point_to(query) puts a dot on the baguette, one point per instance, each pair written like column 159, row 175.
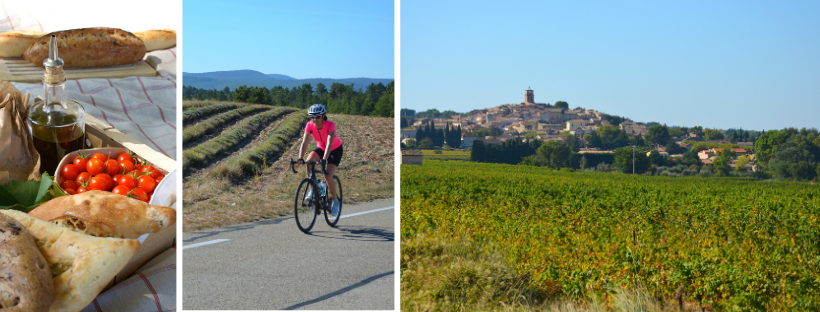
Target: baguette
column 14, row 43
column 25, row 277
column 158, row 39
column 89, row 47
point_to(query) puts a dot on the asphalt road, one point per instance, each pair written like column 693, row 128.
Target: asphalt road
column 272, row 265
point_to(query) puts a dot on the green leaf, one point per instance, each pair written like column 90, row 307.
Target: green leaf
column 24, row 196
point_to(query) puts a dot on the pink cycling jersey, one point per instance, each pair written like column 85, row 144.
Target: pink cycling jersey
column 321, row 135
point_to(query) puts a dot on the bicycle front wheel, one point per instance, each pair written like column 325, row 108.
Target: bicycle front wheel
column 305, row 210
column 332, row 220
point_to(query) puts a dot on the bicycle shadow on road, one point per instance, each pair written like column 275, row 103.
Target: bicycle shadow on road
column 356, row 233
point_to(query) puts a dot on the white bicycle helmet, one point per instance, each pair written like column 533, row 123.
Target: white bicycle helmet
column 316, row 110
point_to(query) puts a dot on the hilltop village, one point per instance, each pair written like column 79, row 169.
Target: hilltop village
column 529, row 121
column 541, row 121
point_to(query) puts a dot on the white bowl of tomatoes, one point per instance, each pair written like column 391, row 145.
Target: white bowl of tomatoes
column 115, row 170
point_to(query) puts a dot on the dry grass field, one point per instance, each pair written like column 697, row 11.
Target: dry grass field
column 221, row 193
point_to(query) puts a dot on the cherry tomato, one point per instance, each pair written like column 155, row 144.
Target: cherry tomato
column 70, row 172
column 83, row 177
column 125, row 156
column 69, row 184
column 126, row 165
column 159, row 179
column 116, row 178
column 147, row 183
column 153, row 171
column 97, row 184
column 121, row 190
column 139, row 167
column 70, row 191
column 82, row 187
column 128, row 181
column 109, row 181
column 100, row 156
column 80, row 162
column 140, row 193
column 112, row 167
column 95, row 166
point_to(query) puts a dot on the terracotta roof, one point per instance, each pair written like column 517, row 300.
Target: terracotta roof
column 707, row 161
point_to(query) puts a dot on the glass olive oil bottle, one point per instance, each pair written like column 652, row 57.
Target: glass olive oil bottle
column 57, row 124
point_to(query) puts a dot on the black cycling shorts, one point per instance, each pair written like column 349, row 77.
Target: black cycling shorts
column 335, row 155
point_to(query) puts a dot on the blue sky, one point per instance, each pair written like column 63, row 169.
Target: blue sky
column 301, row 39
column 718, row 64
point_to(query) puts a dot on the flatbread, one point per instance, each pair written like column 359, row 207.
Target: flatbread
column 82, row 265
column 105, row 214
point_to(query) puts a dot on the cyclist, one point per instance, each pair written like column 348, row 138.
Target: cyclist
column 324, row 132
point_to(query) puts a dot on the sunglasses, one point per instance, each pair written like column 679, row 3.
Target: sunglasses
column 318, row 117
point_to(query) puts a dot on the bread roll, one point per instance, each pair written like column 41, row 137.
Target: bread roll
column 105, row 214
column 157, row 39
column 89, row 47
column 14, row 43
column 81, row 265
column 25, row 277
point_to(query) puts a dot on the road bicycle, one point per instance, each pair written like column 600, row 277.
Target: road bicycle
column 307, row 210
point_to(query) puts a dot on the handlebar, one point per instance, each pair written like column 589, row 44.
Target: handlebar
column 321, row 162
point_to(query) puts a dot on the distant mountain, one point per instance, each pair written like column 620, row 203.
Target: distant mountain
column 281, row 77
column 235, row 78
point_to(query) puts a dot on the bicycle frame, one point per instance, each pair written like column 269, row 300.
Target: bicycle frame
column 315, row 181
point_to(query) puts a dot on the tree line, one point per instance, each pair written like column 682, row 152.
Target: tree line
column 375, row 100
column 427, row 136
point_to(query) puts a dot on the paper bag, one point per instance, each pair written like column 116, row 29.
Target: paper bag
column 19, row 159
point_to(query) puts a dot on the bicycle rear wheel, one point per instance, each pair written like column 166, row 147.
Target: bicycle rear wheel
column 305, row 210
column 332, row 220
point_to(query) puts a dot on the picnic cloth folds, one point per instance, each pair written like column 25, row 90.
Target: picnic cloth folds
column 152, row 288
column 144, row 108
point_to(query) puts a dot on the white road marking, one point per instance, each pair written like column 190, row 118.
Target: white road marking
column 205, row 243
column 365, row 212
column 225, row 240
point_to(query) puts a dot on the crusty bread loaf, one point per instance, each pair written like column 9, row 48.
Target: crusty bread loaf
column 14, row 43
column 105, row 214
column 89, row 47
column 25, row 277
column 158, row 39
column 81, row 265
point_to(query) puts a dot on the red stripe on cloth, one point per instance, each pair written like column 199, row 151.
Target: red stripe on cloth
column 147, row 283
column 7, row 16
column 92, row 91
column 164, row 135
column 97, row 305
column 161, row 87
column 152, row 102
column 38, row 21
column 125, row 110
column 101, row 111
